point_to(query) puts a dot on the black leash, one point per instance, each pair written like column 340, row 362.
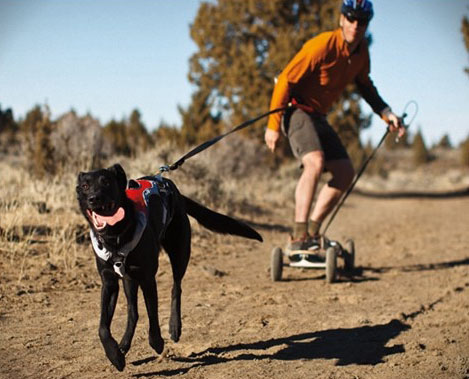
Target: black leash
column 211, row 142
column 357, row 176
column 362, row 169
column 207, row 144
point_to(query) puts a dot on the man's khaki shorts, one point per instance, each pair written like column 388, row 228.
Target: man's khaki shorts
column 308, row 133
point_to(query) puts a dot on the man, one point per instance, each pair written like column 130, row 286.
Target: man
column 315, row 78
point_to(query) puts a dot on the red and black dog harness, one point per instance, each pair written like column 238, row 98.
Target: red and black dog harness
column 139, row 192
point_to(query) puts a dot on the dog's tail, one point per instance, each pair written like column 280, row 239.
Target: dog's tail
column 219, row 223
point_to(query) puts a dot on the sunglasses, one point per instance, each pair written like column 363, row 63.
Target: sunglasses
column 362, row 21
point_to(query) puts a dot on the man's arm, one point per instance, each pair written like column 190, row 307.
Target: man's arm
column 371, row 96
column 368, row 90
column 303, row 62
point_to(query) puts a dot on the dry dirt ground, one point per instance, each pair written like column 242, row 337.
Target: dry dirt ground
column 404, row 313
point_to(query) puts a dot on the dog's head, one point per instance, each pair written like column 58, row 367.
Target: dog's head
column 101, row 195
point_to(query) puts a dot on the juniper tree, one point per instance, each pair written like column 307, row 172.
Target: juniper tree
column 8, row 129
column 444, row 142
column 465, row 33
column 464, row 148
column 115, row 133
column 136, row 133
column 420, row 152
column 35, row 130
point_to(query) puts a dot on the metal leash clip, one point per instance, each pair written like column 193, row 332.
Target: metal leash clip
column 164, row 168
column 119, row 265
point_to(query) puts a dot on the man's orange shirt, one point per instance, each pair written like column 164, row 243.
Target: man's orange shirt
column 318, row 74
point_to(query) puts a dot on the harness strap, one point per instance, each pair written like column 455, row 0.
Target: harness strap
column 139, row 192
column 118, row 258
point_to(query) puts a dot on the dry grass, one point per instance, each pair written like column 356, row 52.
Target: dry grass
column 41, row 226
column 42, row 230
column 38, row 224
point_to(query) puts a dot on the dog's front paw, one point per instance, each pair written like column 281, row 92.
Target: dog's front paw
column 116, row 356
column 119, row 361
column 157, row 343
column 175, row 328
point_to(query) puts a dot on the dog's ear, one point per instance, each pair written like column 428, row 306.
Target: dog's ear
column 120, row 175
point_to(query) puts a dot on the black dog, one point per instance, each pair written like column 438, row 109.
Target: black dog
column 130, row 221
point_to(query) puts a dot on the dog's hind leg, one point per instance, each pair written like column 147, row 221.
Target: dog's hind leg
column 109, row 294
column 150, row 295
column 177, row 244
column 131, row 293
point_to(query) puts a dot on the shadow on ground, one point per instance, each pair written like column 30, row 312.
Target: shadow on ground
column 416, row 267
column 364, row 345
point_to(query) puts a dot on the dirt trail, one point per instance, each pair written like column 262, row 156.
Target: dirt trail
column 405, row 312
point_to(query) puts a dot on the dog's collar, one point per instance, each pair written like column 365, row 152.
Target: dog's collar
column 119, row 256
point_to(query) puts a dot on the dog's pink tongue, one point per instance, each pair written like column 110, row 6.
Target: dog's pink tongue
column 102, row 221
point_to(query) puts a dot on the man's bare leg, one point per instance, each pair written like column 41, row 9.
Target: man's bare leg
column 313, row 165
column 342, row 175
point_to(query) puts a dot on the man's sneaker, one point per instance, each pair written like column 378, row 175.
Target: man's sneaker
column 294, row 249
column 305, row 243
column 294, row 245
column 312, row 243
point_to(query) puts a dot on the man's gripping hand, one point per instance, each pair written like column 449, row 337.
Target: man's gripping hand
column 394, row 122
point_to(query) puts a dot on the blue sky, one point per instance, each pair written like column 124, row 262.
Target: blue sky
column 108, row 57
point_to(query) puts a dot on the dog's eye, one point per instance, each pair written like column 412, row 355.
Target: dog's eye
column 85, row 187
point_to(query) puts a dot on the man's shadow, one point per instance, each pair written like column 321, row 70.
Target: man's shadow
column 416, row 267
column 364, row 345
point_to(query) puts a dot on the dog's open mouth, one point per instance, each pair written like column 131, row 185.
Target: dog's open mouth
column 100, row 221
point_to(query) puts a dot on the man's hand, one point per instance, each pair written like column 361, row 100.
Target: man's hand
column 394, row 122
column 271, row 137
